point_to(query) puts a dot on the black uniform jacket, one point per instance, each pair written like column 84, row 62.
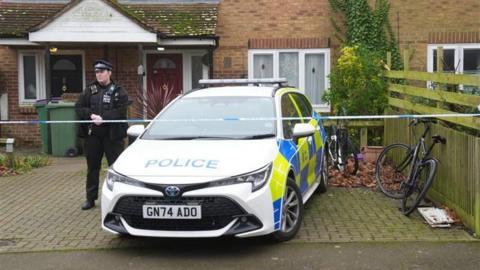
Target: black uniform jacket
column 110, row 102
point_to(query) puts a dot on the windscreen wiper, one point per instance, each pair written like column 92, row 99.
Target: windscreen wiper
column 259, row 136
column 186, row 138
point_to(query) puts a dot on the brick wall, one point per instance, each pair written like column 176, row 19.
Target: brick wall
column 431, row 21
column 419, row 23
column 124, row 59
column 240, row 21
column 24, row 134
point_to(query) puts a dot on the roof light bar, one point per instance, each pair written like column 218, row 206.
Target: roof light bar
column 278, row 81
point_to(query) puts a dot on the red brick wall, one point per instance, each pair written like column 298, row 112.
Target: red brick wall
column 24, row 134
column 124, row 59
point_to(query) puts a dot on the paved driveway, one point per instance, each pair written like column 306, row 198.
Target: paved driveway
column 41, row 211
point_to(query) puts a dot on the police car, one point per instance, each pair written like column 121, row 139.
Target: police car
column 228, row 159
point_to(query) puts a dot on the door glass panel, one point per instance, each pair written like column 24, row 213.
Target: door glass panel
column 164, row 63
column 289, row 67
column 315, row 77
column 262, row 66
column 29, row 77
column 197, row 71
column 64, row 64
column 448, row 60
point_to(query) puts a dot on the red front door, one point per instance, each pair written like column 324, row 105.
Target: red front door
column 164, row 78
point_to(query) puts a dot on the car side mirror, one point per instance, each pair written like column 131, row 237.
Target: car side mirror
column 301, row 130
column 135, row 130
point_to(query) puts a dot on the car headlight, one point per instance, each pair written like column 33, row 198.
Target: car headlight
column 257, row 178
column 114, row 177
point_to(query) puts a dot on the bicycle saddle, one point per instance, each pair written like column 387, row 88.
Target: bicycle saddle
column 439, row 139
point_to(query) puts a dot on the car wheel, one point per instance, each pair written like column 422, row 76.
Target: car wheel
column 322, row 187
column 292, row 213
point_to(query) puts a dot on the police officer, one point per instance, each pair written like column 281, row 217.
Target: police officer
column 101, row 100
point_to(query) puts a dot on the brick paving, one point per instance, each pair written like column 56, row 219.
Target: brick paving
column 41, row 211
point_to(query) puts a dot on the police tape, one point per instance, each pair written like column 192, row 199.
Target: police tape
column 347, row 117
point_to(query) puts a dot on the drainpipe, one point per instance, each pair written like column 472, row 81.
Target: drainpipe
column 210, row 55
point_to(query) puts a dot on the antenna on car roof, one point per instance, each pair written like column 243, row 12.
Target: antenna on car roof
column 256, row 82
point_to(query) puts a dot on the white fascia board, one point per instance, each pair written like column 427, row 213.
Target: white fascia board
column 93, row 37
column 17, row 41
column 93, row 21
column 187, row 42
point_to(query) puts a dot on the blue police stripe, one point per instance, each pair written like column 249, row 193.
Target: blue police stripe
column 303, row 180
column 277, row 213
column 288, row 149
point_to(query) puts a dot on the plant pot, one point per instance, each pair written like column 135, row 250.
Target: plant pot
column 371, row 153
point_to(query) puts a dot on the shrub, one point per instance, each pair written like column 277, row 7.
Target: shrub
column 21, row 163
column 356, row 83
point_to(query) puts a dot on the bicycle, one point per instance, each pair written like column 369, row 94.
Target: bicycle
column 406, row 173
column 343, row 155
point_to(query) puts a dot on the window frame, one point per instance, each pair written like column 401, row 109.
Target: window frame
column 458, row 56
column 39, row 75
column 322, row 107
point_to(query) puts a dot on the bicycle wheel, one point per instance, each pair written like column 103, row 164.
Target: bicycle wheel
column 348, row 154
column 391, row 169
column 415, row 193
column 332, row 147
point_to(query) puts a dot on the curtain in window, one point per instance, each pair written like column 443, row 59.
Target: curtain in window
column 289, row 67
column 315, row 77
column 29, row 77
column 262, row 66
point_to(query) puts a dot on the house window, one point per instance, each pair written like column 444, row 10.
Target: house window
column 31, row 76
column 306, row 69
column 457, row 58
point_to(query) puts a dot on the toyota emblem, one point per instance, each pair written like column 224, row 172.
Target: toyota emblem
column 172, row 191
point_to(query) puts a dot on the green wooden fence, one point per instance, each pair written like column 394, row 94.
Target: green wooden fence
column 457, row 183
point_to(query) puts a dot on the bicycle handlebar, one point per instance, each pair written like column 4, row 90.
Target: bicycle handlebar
column 415, row 121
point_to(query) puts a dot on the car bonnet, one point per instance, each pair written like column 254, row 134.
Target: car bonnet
column 194, row 161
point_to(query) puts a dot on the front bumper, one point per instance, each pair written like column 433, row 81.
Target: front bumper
column 226, row 210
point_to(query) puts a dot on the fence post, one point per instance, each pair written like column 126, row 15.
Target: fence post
column 389, row 60
column 476, row 214
column 406, row 59
column 439, row 70
column 363, row 137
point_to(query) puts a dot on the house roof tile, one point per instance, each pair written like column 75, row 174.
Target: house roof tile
column 169, row 20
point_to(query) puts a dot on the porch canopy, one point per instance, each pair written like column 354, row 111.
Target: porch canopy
column 109, row 22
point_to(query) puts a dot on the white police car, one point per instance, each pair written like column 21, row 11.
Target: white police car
column 231, row 160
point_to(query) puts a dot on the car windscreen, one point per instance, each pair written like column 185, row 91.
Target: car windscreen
column 219, row 117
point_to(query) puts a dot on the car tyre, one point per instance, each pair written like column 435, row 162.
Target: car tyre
column 292, row 213
column 322, row 187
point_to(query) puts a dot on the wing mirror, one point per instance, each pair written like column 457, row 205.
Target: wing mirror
column 301, row 130
column 135, row 130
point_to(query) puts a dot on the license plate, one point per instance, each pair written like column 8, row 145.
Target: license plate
column 172, row 211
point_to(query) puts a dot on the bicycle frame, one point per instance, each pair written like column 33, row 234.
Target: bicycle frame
column 416, row 163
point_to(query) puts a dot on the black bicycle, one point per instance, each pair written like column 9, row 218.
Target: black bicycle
column 342, row 154
column 405, row 172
